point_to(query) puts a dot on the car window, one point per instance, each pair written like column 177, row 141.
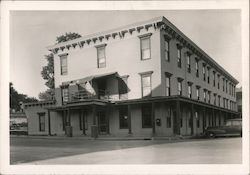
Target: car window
column 228, row 123
column 236, row 123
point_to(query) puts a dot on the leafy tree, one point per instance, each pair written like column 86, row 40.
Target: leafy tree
column 16, row 98
column 48, row 70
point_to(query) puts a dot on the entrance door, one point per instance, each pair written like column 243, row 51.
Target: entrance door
column 102, row 122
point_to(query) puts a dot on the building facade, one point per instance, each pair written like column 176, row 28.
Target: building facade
column 144, row 79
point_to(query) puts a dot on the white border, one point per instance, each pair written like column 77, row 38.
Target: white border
column 7, row 6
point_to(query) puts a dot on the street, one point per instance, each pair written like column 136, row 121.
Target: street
column 78, row 151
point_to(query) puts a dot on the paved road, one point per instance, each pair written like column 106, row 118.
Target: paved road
column 73, row 151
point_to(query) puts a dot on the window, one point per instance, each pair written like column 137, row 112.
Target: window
column 179, row 56
column 223, row 84
column 145, row 47
column 190, row 89
column 64, row 64
column 214, row 78
column 218, row 100
column 204, row 72
column 215, row 99
column 198, row 92
column 218, row 77
column 146, row 84
column 204, row 95
column 168, row 91
column 101, row 58
column 146, row 111
column 208, row 96
column 166, row 49
column 197, row 67
column 65, row 94
column 197, row 119
column 188, row 63
column 179, row 84
column 123, row 88
column 169, row 123
column 41, row 121
column 226, row 86
column 208, row 77
column 123, row 117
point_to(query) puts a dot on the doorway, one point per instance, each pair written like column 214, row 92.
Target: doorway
column 102, row 122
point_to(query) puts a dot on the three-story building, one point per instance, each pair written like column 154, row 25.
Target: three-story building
column 144, row 79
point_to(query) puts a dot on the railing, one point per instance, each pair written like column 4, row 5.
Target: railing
column 83, row 95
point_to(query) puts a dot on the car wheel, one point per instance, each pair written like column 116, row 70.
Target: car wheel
column 211, row 135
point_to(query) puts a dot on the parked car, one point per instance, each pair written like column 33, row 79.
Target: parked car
column 233, row 127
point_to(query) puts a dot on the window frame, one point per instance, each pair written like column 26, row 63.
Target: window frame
column 145, row 37
column 168, row 88
column 63, row 88
column 41, row 115
column 143, row 75
column 179, row 91
column 197, row 67
column 188, row 59
column 63, row 68
column 101, row 65
column 167, row 49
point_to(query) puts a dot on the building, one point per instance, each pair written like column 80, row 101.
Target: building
column 239, row 100
column 144, row 79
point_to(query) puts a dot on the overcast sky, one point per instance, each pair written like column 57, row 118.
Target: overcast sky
column 217, row 32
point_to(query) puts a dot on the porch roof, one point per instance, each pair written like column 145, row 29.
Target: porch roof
column 79, row 104
column 89, row 78
column 172, row 98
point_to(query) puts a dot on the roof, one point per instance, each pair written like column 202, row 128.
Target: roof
column 158, row 22
column 89, row 78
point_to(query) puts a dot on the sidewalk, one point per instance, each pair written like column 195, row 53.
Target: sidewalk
column 106, row 137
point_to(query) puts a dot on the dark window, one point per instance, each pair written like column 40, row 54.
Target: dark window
column 218, row 77
column 64, row 64
column 65, row 94
column 169, row 123
column 146, row 85
column 101, row 57
column 208, row 96
column 226, row 86
column 41, row 121
column 123, row 117
column 214, row 99
column 214, row 78
column 204, row 72
column 166, row 49
column 197, row 67
column 146, row 111
column 179, row 57
column 188, row 63
column 145, row 48
column 223, row 84
column 208, row 75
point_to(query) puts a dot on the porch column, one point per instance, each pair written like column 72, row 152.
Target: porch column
column 68, row 116
column 213, row 121
column 177, row 120
column 129, row 120
column 49, row 125
column 107, row 119
column 204, row 119
column 94, row 114
column 82, row 120
column 192, row 119
column 153, row 118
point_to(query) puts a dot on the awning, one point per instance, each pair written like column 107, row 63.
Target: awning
column 89, row 78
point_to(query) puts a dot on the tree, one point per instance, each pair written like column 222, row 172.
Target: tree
column 48, row 70
column 16, row 99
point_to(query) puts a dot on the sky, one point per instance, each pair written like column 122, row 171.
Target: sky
column 217, row 32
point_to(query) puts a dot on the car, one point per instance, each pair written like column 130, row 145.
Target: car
column 233, row 127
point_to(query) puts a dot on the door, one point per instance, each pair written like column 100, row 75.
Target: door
column 102, row 122
column 101, row 89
